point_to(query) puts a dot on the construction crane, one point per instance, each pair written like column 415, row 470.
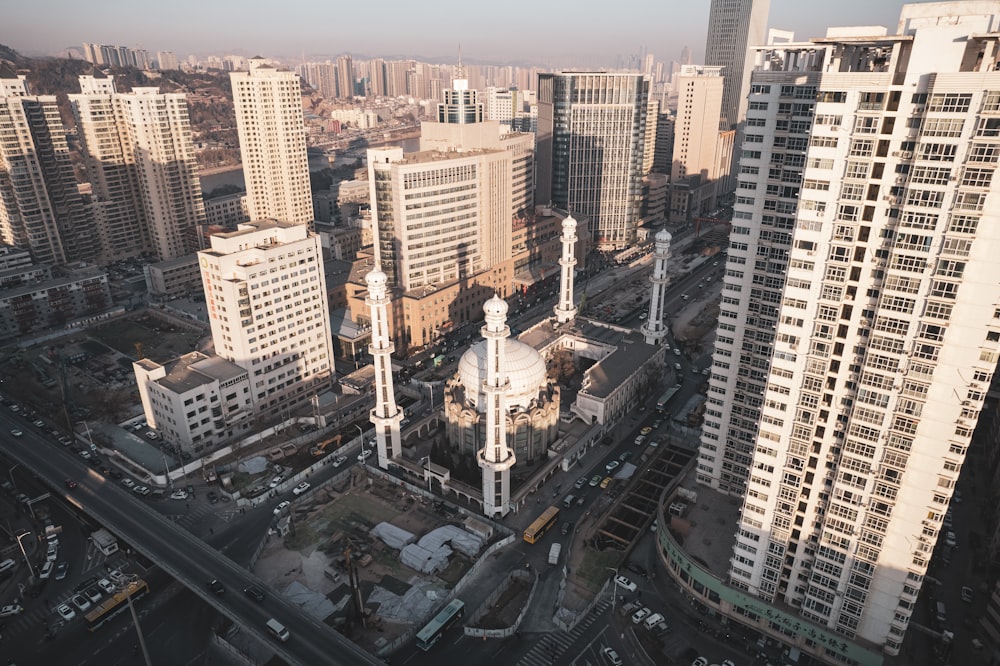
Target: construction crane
column 352, row 580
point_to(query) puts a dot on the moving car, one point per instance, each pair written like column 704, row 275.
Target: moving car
column 301, row 488
column 70, row 484
column 128, row 483
column 16, row 432
column 580, row 483
column 281, row 507
column 254, row 593
column 641, row 615
column 612, row 657
column 13, row 609
column 276, row 481
column 339, row 460
column 611, row 466
column 179, row 495
column 141, row 490
column 595, row 480
column 967, row 594
column 216, row 586
column 646, row 430
column 606, row 482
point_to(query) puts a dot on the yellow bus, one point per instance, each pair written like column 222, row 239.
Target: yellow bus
column 115, row 604
column 541, row 525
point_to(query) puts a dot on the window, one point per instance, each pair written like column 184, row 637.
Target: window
column 950, row 103
column 863, row 148
column 942, row 127
column 936, row 152
column 975, row 177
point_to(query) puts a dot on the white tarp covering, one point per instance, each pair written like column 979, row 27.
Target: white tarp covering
column 625, row 471
column 423, row 559
column 392, row 536
column 310, row 601
column 254, row 465
column 464, row 542
column 416, row 604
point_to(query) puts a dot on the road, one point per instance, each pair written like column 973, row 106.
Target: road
column 183, row 556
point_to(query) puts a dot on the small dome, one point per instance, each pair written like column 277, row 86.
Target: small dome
column 525, row 371
column 496, row 307
column 376, row 278
column 569, row 224
column 663, row 236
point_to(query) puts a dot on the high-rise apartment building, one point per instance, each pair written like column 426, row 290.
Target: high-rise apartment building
column 859, row 329
column 272, row 135
column 591, row 141
column 733, row 27
column 41, row 209
column 345, row 77
column 320, row 75
column 166, row 60
column 267, row 306
column 140, row 158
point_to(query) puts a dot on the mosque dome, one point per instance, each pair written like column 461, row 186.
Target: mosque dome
column 496, row 307
column 525, row 371
column 376, row 278
column 662, row 236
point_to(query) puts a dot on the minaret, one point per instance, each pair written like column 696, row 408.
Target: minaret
column 565, row 310
column 653, row 330
column 386, row 415
column 495, row 457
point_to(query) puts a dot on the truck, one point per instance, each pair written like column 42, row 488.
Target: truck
column 319, row 450
column 554, row 553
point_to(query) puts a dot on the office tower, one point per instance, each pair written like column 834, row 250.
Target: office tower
column 496, row 458
column 166, row 60
column 41, row 209
column 565, row 309
column 462, row 225
column 140, row 157
column 653, row 331
column 461, row 105
column 702, row 153
column 396, row 72
column 272, row 135
column 858, row 332
column 345, row 77
column 686, row 56
column 386, row 414
column 590, row 150
column 267, row 306
column 663, row 153
column 733, row 27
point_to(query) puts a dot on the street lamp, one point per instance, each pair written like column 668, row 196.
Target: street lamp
column 11, row 472
column 361, row 433
column 31, row 569
column 615, row 596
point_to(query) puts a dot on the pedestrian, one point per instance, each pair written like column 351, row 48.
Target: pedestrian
column 211, row 530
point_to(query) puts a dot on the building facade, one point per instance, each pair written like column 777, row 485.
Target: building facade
column 267, row 306
column 858, row 329
column 733, row 27
column 272, row 135
column 140, row 155
column 41, row 209
column 592, row 137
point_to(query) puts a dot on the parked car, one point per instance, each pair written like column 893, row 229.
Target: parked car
column 339, row 460
column 141, row 490
column 640, row 615
column 278, row 510
column 46, row 569
column 276, row 481
column 61, row 570
column 580, row 483
column 950, row 539
column 93, row 594
column 623, row 582
column 595, row 480
column 612, row 657
column 81, row 602
column 301, row 488
column 612, row 466
column 11, row 610
column 606, row 482
column 967, row 595
column 106, row 585
column 65, row 612
column 128, row 483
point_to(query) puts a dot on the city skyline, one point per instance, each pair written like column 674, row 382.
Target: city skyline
column 553, row 36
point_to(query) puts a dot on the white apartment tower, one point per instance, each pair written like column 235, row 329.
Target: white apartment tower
column 268, row 309
column 272, row 143
column 733, row 27
column 496, row 458
column 654, row 330
column 860, row 317
column 386, row 415
column 41, row 209
column 141, row 160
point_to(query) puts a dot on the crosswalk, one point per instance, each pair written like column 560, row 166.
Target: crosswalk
column 555, row 643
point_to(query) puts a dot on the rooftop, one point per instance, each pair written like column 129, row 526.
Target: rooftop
column 709, row 527
column 195, row 369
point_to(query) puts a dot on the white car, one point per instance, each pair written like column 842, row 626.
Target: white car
column 16, row 432
column 301, row 488
column 622, row 581
column 179, row 495
column 106, row 585
column 339, row 460
column 363, row 456
column 276, row 481
column 65, row 612
column 141, row 490
column 612, row 656
column 46, row 570
column 611, row 466
column 81, row 602
column 640, row 615
column 13, row 609
column 700, row 661
column 278, row 510
column 128, row 483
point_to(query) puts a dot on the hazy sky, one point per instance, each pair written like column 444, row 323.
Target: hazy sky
column 585, row 32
